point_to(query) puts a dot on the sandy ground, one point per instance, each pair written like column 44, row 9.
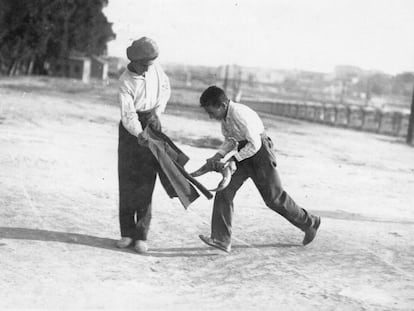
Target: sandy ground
column 58, row 216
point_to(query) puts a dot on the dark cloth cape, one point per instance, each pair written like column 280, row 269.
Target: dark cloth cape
column 174, row 178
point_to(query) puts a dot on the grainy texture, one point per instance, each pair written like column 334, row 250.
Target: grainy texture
column 59, row 223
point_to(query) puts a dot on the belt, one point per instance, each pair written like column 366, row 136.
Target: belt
column 243, row 143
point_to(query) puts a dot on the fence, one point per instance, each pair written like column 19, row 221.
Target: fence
column 361, row 118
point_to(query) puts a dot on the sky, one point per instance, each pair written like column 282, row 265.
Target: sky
column 311, row 35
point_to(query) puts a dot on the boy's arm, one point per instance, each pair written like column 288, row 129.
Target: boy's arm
column 165, row 93
column 129, row 116
column 252, row 131
column 253, row 145
column 228, row 145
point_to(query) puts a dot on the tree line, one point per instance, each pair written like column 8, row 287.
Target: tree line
column 34, row 33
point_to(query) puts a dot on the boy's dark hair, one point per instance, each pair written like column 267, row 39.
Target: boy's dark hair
column 213, row 96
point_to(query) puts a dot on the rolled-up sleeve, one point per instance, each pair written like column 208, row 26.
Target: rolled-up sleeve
column 129, row 116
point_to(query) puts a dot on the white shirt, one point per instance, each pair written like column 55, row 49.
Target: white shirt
column 241, row 123
column 142, row 93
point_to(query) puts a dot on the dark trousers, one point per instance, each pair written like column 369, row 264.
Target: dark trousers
column 261, row 168
column 137, row 172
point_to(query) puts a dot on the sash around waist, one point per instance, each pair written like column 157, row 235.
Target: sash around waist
column 149, row 118
column 243, row 143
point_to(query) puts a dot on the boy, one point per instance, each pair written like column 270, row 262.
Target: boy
column 144, row 91
column 255, row 159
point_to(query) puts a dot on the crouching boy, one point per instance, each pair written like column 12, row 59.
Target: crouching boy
column 255, row 159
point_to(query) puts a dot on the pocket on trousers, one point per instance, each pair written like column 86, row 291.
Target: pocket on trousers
column 270, row 154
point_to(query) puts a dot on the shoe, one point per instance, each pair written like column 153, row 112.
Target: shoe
column 215, row 243
column 124, row 242
column 311, row 232
column 141, row 247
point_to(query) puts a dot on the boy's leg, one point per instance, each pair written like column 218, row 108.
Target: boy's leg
column 126, row 151
column 137, row 174
column 267, row 181
column 126, row 210
column 223, row 208
column 143, row 202
column 280, row 201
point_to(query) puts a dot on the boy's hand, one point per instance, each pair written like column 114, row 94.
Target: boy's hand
column 214, row 163
column 214, row 158
column 219, row 166
column 142, row 141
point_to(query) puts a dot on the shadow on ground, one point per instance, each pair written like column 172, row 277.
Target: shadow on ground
column 106, row 243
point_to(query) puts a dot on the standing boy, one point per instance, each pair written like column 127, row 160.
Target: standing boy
column 143, row 94
column 255, row 159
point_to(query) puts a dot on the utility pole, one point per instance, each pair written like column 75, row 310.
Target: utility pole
column 410, row 134
column 238, row 83
column 226, row 78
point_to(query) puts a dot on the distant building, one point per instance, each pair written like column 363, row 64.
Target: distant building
column 252, row 74
column 347, row 72
column 99, row 68
column 74, row 67
column 277, row 76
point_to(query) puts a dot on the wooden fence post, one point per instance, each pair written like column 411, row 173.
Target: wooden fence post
column 379, row 115
column 348, row 116
column 396, row 123
column 410, row 134
column 363, row 113
column 336, row 113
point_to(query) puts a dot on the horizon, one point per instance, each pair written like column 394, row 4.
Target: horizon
column 316, row 36
column 174, row 63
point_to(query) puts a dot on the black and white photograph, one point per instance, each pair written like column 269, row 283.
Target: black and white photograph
column 207, row 155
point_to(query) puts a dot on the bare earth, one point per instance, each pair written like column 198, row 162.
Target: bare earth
column 59, row 218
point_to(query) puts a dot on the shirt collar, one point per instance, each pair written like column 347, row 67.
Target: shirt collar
column 143, row 76
column 229, row 110
column 136, row 76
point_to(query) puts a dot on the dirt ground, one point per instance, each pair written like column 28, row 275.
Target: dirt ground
column 59, row 218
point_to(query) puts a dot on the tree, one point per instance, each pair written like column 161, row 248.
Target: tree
column 34, row 32
column 402, row 83
column 91, row 39
column 380, row 84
